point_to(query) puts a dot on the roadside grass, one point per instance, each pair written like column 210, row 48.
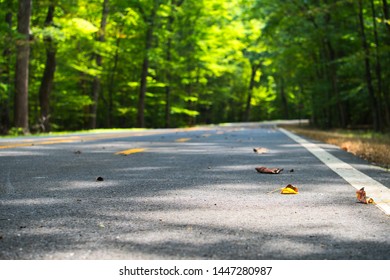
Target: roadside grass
column 371, row 146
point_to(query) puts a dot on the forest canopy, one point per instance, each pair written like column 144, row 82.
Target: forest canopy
column 77, row 64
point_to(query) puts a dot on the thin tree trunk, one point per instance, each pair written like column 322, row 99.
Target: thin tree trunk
column 22, row 63
column 254, row 69
column 386, row 87
column 386, row 14
column 378, row 68
column 168, row 75
column 334, row 81
column 96, row 85
column 5, row 72
column 111, row 86
column 284, row 99
column 48, row 75
column 373, row 99
column 145, row 67
column 169, row 59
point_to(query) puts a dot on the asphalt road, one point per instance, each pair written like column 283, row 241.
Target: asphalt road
column 182, row 194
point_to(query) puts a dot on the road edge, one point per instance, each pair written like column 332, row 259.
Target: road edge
column 378, row 192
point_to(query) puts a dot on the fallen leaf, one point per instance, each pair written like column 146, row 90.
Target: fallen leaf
column 289, row 189
column 267, row 170
column 260, row 150
column 362, row 197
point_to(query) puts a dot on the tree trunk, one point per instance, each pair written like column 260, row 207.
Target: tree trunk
column 254, row 69
column 284, row 99
column 386, row 87
column 378, row 68
column 111, row 86
column 96, row 86
column 169, row 59
column 22, row 63
column 145, row 67
column 168, row 75
column 5, row 73
column 332, row 67
column 373, row 99
column 386, row 14
column 48, row 75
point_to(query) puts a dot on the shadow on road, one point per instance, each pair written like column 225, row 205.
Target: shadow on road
column 201, row 199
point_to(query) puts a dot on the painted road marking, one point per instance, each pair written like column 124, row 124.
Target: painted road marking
column 354, row 177
column 181, row 140
column 130, row 151
column 77, row 138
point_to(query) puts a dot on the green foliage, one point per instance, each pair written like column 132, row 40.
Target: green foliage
column 306, row 58
column 15, row 131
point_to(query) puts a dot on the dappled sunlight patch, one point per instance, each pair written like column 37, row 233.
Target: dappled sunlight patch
column 225, row 168
column 39, row 201
column 85, row 185
column 290, row 248
column 13, row 153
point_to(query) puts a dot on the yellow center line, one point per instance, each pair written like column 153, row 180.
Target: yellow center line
column 32, row 143
column 182, row 140
column 130, row 151
column 74, row 139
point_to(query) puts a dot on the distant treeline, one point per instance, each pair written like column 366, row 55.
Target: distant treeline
column 81, row 64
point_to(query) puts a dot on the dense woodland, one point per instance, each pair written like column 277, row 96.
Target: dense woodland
column 78, row 64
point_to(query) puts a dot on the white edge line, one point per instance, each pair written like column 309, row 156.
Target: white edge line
column 378, row 192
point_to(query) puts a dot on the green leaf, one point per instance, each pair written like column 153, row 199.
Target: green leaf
column 178, row 110
column 83, row 26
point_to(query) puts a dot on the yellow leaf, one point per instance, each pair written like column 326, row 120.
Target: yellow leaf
column 289, row 189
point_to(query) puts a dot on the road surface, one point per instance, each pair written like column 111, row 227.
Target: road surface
column 184, row 194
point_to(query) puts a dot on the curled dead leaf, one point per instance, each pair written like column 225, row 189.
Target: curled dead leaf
column 267, row 170
column 362, row 197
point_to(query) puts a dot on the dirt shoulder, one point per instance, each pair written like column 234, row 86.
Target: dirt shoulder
column 374, row 147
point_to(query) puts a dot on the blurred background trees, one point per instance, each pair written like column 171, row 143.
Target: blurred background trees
column 169, row 63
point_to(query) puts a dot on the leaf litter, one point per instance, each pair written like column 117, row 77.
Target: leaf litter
column 266, row 170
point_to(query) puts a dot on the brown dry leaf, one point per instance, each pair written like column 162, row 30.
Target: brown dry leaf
column 267, row 170
column 362, row 197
